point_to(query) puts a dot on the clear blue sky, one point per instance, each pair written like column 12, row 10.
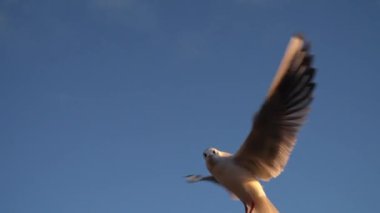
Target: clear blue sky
column 106, row 104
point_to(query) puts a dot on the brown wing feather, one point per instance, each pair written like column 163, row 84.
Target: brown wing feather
column 266, row 150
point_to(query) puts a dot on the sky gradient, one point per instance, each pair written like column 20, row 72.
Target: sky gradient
column 106, row 104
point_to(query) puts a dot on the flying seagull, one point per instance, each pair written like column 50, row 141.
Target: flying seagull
column 265, row 152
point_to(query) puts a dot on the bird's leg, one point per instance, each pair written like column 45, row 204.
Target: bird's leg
column 251, row 208
column 245, row 207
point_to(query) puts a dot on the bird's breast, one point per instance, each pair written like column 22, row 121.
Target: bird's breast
column 236, row 179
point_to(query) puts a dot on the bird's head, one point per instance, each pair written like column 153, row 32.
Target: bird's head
column 211, row 153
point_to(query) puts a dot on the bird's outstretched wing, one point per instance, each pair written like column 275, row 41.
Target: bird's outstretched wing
column 266, row 150
column 197, row 178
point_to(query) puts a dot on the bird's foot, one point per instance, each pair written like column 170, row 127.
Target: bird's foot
column 250, row 208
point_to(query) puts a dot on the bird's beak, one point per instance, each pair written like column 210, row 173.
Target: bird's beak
column 205, row 155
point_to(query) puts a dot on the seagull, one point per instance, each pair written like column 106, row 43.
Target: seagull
column 266, row 150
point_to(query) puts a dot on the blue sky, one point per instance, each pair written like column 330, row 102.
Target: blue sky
column 106, row 104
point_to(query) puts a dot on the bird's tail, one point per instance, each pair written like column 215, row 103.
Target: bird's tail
column 264, row 205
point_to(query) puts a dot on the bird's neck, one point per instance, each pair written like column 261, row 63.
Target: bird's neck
column 212, row 163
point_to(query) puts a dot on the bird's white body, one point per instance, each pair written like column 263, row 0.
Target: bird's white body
column 240, row 182
column 244, row 186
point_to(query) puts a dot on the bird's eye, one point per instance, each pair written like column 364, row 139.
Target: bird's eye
column 213, row 152
column 204, row 155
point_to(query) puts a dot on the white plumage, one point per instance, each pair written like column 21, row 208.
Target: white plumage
column 268, row 146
